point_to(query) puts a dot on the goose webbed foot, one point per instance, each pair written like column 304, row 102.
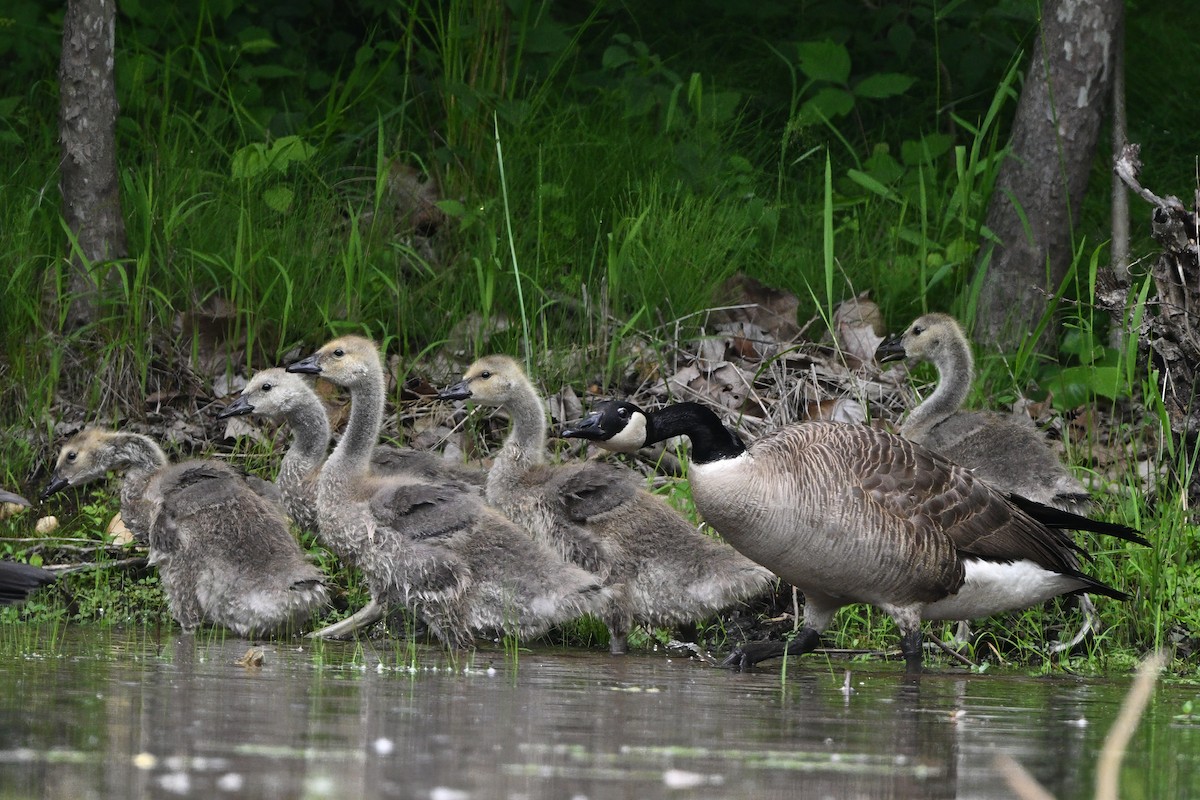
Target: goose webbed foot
column 747, row 655
column 370, row 613
column 1091, row 624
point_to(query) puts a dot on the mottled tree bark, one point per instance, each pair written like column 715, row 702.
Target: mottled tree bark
column 88, row 171
column 1042, row 182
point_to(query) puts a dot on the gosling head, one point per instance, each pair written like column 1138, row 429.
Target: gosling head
column 613, row 424
column 346, row 361
column 271, row 393
column 86, row 456
column 490, row 381
column 926, row 339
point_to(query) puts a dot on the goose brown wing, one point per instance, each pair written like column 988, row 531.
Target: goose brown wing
column 915, row 484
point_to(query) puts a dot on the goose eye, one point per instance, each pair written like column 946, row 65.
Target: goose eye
column 622, row 412
column 485, row 374
column 339, row 352
column 71, row 455
column 918, row 330
column 266, row 387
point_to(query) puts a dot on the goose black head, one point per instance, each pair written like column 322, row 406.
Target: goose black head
column 613, row 424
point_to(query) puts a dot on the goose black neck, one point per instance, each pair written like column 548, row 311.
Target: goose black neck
column 711, row 440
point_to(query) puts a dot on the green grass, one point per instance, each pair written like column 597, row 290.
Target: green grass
column 599, row 179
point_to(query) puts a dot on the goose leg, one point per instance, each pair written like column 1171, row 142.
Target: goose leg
column 1091, row 623
column 368, row 614
column 908, row 620
column 910, row 646
column 750, row 653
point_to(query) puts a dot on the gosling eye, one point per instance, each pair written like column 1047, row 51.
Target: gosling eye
column 72, row 455
column 266, row 387
column 918, row 330
column 339, row 352
column 485, row 374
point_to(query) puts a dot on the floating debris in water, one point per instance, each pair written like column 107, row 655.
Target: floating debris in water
column 683, row 779
column 253, row 657
column 230, row 782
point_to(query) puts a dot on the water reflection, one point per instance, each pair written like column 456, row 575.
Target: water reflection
column 119, row 715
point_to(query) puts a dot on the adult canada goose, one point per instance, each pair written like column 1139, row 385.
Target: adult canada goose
column 1007, row 450
column 849, row 514
column 224, row 554
column 284, row 397
column 664, row 571
column 17, row 581
column 434, row 546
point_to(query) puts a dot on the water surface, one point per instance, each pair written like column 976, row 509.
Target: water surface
column 124, row 714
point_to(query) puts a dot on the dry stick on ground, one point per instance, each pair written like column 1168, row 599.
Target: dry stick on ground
column 1108, row 768
column 1167, row 334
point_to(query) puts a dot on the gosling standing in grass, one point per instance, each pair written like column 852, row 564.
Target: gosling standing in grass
column 849, row 514
column 1007, row 450
column 433, row 546
column 224, row 554
column 661, row 569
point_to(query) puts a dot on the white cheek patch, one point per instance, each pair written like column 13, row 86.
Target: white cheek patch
column 631, row 438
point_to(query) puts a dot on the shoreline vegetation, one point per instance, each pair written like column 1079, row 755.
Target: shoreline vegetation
column 733, row 210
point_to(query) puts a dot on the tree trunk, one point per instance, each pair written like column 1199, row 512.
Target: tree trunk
column 88, row 171
column 1042, row 182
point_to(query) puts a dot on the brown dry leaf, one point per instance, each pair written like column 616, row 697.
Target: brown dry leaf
column 858, row 328
column 237, row 427
column 747, row 341
column 772, row 310
column 837, row 409
column 565, row 404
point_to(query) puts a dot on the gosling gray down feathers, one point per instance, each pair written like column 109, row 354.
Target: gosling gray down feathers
column 284, row 397
column 434, row 547
column 1007, row 450
column 849, row 514
column 224, row 554
column 664, row 571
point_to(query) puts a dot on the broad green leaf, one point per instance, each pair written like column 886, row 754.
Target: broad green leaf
column 279, row 198
column 249, row 161
column 615, row 56
column 887, row 84
column 453, row 208
column 829, row 103
column 824, row 61
column 288, row 149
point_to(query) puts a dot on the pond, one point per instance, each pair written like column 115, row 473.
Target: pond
column 100, row 713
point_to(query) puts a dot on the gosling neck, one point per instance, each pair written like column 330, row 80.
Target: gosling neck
column 527, row 439
column 310, row 433
column 711, row 440
column 352, row 456
column 141, row 459
column 956, row 372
